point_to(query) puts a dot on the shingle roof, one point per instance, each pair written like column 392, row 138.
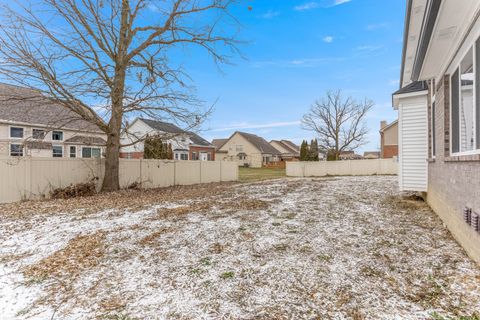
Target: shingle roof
column 218, row 143
column 86, row 140
column 292, row 145
column 171, row 128
column 260, row 143
column 412, row 87
column 23, row 105
column 288, row 145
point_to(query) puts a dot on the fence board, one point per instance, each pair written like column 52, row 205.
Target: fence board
column 342, row 168
column 28, row 178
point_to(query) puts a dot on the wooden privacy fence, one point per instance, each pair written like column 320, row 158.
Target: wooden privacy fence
column 29, row 178
column 342, row 168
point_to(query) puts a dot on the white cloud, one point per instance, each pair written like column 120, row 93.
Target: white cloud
column 337, row 2
column 245, row 125
column 270, row 14
column 307, row 6
column 319, row 4
column 328, row 39
column 376, row 26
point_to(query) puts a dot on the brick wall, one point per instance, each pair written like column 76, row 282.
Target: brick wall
column 201, row 149
column 452, row 185
column 389, row 152
column 133, row 155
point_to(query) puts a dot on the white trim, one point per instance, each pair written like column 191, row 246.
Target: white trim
column 58, row 145
column 465, row 153
column 38, row 125
column 70, row 152
column 63, row 135
column 410, row 94
column 19, row 144
column 10, row 132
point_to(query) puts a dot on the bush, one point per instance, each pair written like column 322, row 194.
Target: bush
column 74, row 190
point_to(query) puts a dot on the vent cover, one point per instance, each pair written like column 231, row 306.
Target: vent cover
column 467, row 215
column 476, row 222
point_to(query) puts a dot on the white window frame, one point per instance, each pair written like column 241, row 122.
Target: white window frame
column 56, row 145
column 91, row 154
column 63, row 135
column 17, row 127
column 17, row 144
column 70, row 151
column 475, row 125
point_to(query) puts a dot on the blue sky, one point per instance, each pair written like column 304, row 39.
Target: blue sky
column 296, row 51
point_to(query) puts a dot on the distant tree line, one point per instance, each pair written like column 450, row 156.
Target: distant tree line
column 156, row 148
column 309, row 152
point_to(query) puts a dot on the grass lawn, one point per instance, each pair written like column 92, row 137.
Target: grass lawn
column 329, row 248
column 257, row 174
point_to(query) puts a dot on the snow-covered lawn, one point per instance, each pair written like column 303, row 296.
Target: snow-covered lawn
column 285, row 249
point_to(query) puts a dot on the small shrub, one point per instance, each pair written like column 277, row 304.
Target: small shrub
column 74, row 190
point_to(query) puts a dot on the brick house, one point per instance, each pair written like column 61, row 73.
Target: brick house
column 388, row 139
column 31, row 125
column 185, row 145
column 439, row 113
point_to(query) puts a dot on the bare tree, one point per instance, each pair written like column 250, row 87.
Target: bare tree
column 339, row 122
column 108, row 60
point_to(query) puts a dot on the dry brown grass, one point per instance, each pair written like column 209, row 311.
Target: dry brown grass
column 82, row 252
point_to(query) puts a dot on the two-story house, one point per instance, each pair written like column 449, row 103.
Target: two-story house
column 31, row 125
column 185, row 145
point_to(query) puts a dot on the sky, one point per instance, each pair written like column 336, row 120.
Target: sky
column 294, row 52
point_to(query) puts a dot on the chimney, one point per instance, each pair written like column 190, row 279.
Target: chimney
column 383, row 124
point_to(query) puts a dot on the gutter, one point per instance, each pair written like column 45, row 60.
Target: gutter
column 427, row 30
column 405, row 38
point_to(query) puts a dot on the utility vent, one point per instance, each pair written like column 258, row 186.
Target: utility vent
column 476, row 222
column 467, row 215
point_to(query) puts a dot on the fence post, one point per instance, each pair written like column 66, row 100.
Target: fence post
column 174, row 172
column 28, row 177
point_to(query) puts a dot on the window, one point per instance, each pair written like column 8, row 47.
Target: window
column 209, row 156
column 88, row 152
column 16, row 132
column 73, row 152
column 16, row 150
column 38, row 134
column 465, row 108
column 57, row 135
column 183, row 156
column 239, row 148
column 242, row 156
column 194, row 156
column 57, row 151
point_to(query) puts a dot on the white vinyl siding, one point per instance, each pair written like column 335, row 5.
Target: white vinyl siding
column 413, row 146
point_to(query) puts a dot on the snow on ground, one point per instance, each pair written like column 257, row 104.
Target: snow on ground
column 337, row 248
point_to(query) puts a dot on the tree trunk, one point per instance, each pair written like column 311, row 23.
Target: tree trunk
column 111, row 180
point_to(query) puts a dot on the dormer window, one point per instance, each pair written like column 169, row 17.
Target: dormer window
column 57, row 135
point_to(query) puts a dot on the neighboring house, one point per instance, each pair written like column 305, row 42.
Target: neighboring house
column 371, row 155
column 249, row 150
column 31, row 125
column 388, row 139
column 288, row 150
column 185, row 145
column 349, row 155
column 439, row 113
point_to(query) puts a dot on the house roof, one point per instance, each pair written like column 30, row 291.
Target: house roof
column 288, row 145
column 27, row 106
column 78, row 139
column 415, row 86
column 368, row 154
column 171, row 128
column 218, row 143
column 389, row 126
column 261, row 144
column 292, row 145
